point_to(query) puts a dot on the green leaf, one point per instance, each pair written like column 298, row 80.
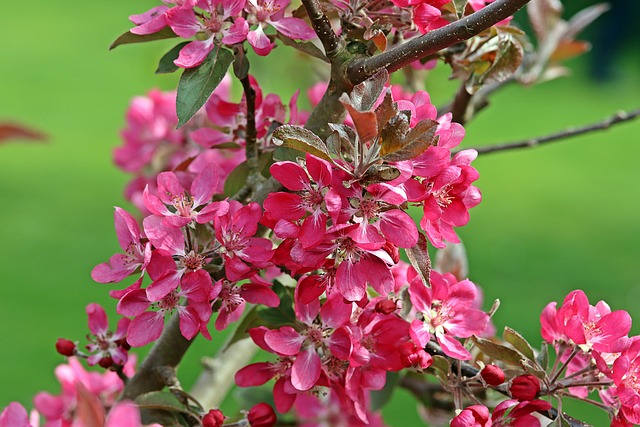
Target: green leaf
column 238, row 177
column 197, row 84
column 543, row 356
column 129, row 37
column 380, row 397
column 166, row 64
column 250, row 319
column 532, row 367
column 283, row 314
column 515, row 339
column 441, row 368
column 161, row 400
column 163, row 418
column 497, row 351
column 300, row 139
column 306, row 47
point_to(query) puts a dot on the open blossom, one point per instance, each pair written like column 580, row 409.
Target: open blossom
column 271, row 12
column 137, row 252
column 107, row 347
column 218, row 20
column 179, row 207
column 447, row 311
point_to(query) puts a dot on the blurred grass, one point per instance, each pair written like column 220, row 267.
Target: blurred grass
column 553, row 219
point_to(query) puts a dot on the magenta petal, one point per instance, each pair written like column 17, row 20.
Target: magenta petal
column 284, row 206
column 419, row 332
column 340, row 344
column 259, row 294
column 204, row 185
column 237, row 33
column 254, row 375
column 162, row 286
column 260, row 42
column 194, row 53
column 164, row 236
column 154, row 204
column 127, row 228
column 351, row 281
column 14, row 415
column 133, row 303
column 118, row 268
column 148, row 15
column 97, row 319
column 145, row 328
column 124, row 414
column 294, row 28
column 183, row 22
column 399, row 228
column 452, row 347
column 283, row 400
column 189, row 322
column 306, row 370
column 285, row 341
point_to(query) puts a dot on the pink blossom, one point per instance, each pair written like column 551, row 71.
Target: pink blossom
column 14, row 415
column 137, row 253
column 107, row 347
column 472, row 416
column 512, row 413
column 446, row 310
column 271, row 12
column 183, row 203
column 243, row 254
column 218, row 20
column 234, row 295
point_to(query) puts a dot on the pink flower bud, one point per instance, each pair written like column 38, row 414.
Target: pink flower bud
column 262, row 415
column 106, row 362
column 65, row 347
column 473, row 416
column 213, row 418
column 413, row 356
column 492, row 375
column 525, row 387
column 386, row 306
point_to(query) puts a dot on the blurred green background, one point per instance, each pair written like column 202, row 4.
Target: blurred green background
column 553, row 219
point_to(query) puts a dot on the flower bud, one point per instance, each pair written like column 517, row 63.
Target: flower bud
column 65, row 347
column 413, row 356
column 492, row 375
column 386, row 306
column 262, row 415
column 213, row 418
column 525, row 387
column 106, row 362
column 473, row 416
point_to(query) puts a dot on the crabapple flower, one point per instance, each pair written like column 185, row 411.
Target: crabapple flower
column 183, row 203
column 261, row 415
column 218, row 20
column 108, row 348
column 447, row 311
column 243, row 253
column 271, row 12
column 512, row 413
column 472, row 416
column 626, row 377
column 14, row 415
column 233, row 297
column 137, row 252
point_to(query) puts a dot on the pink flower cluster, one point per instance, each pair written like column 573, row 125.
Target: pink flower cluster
column 350, row 347
column 216, row 134
column 221, row 22
column 87, row 399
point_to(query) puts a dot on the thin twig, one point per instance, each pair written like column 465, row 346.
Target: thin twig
column 460, row 104
column 251, row 135
column 434, row 41
column 568, row 133
column 321, row 25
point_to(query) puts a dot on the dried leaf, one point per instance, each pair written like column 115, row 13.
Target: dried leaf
column 419, row 258
column 497, row 351
column 518, row 342
column 300, row 139
column 10, row 131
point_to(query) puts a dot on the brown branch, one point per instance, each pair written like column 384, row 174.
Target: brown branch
column 251, row 134
column 166, row 353
column 568, row 133
column 321, row 25
column 460, row 104
column 434, row 41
